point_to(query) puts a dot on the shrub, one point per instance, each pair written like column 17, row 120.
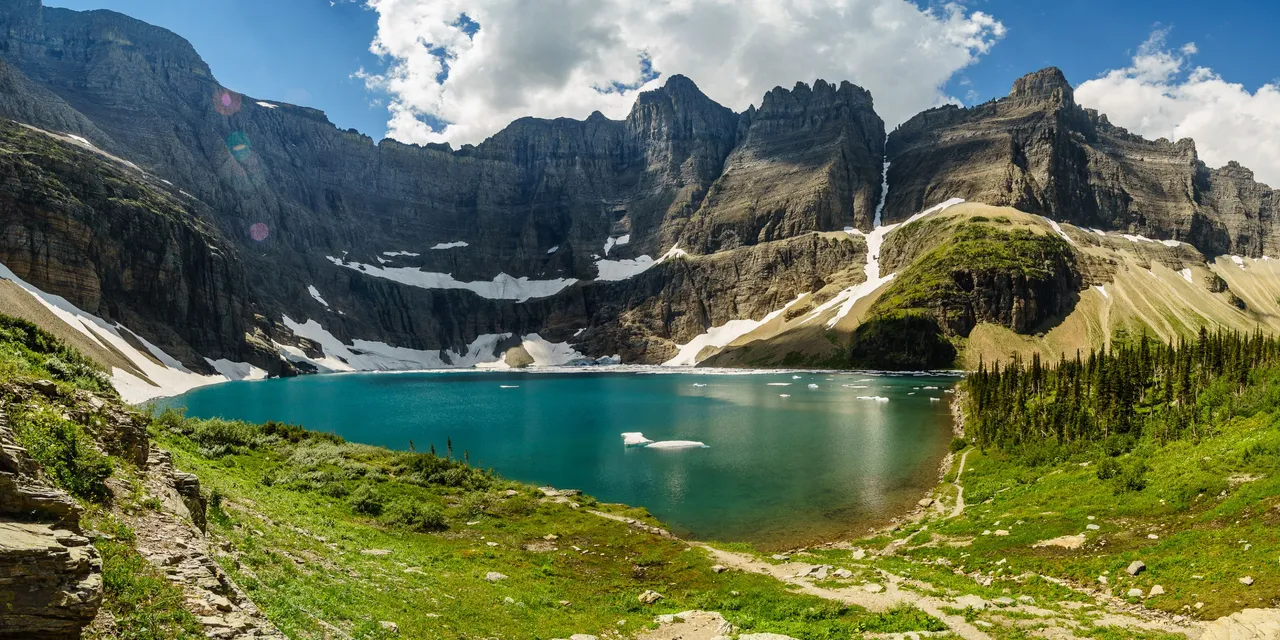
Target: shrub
column 476, row 502
column 1107, row 468
column 958, row 445
column 65, row 452
column 365, row 501
column 415, row 516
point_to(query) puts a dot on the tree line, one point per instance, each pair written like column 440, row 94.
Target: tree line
column 1142, row 388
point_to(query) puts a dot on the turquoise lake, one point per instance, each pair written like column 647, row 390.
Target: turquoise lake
column 777, row 471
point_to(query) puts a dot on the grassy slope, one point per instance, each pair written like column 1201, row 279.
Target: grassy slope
column 296, row 544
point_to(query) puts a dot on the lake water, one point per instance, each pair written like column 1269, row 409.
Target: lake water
column 777, row 471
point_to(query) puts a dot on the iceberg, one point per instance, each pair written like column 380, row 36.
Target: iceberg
column 677, row 444
column 813, row 386
column 635, row 439
column 875, row 398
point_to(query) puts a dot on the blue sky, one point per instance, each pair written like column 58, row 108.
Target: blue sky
column 304, row 51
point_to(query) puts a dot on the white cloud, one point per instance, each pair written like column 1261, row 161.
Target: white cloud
column 1161, row 95
column 551, row 58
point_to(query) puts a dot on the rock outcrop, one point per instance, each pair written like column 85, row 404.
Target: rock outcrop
column 1040, row 152
column 50, row 576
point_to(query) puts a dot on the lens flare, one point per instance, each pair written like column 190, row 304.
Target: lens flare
column 259, row 231
column 238, row 144
column 226, row 102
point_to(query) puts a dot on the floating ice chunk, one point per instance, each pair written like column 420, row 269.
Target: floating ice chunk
column 1186, row 274
column 699, row 384
column 874, row 398
column 854, row 386
column 268, row 105
column 450, row 245
column 784, row 395
column 930, row 388
column 1103, row 290
column 778, row 384
column 397, row 253
column 508, row 386
column 635, row 439
column 676, row 444
column 315, row 293
column 935, row 399
column 813, row 386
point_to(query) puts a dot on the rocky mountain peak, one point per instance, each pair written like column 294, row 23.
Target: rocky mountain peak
column 823, row 95
column 1043, row 84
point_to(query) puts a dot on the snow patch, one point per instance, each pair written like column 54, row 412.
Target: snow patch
column 721, row 336
column 1133, row 238
column 553, row 249
column 849, row 297
column 616, row 242
column 614, row 270
column 268, row 105
column 1103, row 290
column 1239, row 261
column 396, row 253
column 1186, row 274
column 549, row 354
column 502, row 287
column 449, row 245
column 315, row 293
column 1057, row 228
column 165, row 375
column 1170, row 243
column 1099, row 232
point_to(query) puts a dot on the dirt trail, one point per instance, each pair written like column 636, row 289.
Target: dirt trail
column 959, row 507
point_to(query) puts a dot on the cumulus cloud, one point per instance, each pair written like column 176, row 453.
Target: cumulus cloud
column 460, row 70
column 1161, row 94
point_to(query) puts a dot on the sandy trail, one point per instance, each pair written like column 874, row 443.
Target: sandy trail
column 959, row 507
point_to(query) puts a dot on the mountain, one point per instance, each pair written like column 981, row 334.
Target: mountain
column 194, row 234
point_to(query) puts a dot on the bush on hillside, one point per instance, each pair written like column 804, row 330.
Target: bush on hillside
column 415, row 516
column 29, row 351
column 65, row 452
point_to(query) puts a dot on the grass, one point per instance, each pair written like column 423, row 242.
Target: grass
column 308, row 520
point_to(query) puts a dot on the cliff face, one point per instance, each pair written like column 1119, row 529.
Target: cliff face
column 226, row 215
column 810, row 160
column 1038, row 151
column 538, row 200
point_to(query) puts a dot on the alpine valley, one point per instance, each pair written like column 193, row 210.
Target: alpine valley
column 181, row 233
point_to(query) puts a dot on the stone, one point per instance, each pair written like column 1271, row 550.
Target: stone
column 1092, row 527
column 718, row 568
column 1003, row 601
column 510, row 493
column 376, row 552
column 1134, row 593
column 48, row 589
column 780, row 557
column 649, row 597
column 843, row 574
column 1244, row 625
column 582, row 636
column 1066, row 542
column 1135, row 567
column 1000, row 532
column 494, row 576
column 764, row 636
column 551, row 537
column 1156, row 590
column 1026, row 599
column 971, row 601
column 925, row 502
column 873, row 587
column 1247, row 581
column 389, row 626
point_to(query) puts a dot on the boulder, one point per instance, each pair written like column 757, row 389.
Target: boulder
column 1135, row 567
column 494, row 576
column 1157, row 590
column 649, row 597
column 50, row 581
column 1247, row 581
column 1134, row 593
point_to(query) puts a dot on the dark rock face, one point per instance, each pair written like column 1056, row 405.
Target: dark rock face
column 143, row 93
column 810, row 160
column 86, row 228
column 1038, row 151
